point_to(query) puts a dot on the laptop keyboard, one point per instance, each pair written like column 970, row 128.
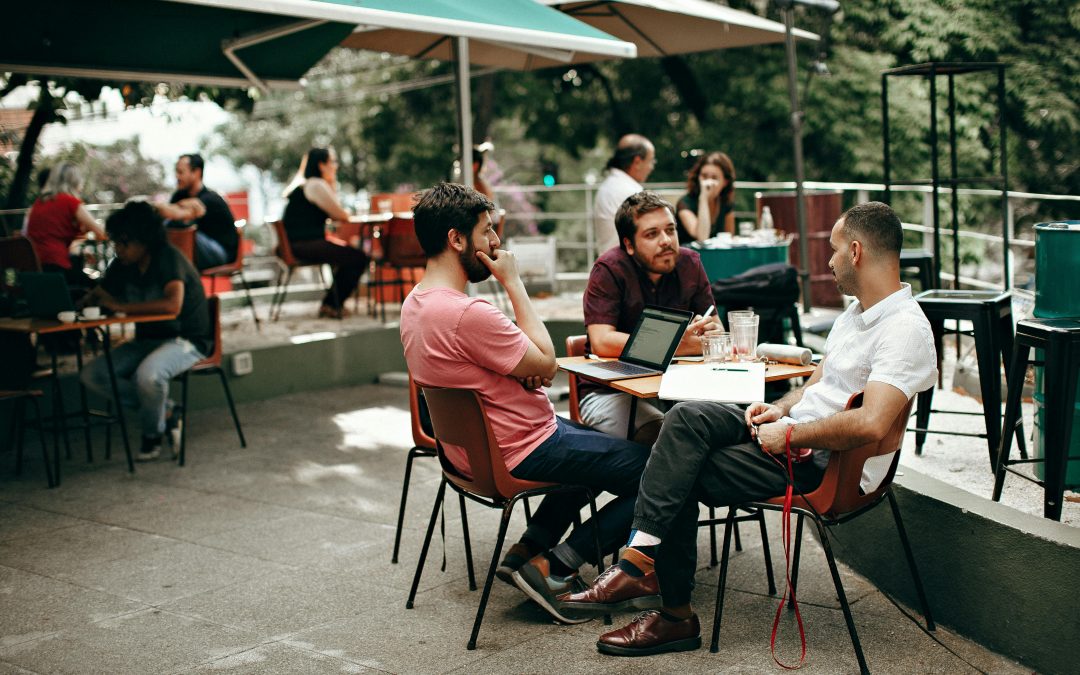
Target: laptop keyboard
column 622, row 368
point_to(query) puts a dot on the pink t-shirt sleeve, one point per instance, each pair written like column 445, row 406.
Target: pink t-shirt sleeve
column 489, row 339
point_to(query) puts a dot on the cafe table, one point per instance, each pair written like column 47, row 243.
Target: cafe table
column 649, row 387
column 30, row 326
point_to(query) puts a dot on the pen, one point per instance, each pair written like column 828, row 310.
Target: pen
column 733, row 370
column 708, row 312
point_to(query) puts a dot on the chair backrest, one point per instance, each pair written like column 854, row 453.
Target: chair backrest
column 459, row 418
column 239, row 261
column 399, row 201
column 575, row 346
column 213, row 303
column 17, row 253
column 839, row 490
column 283, row 249
column 420, row 437
column 401, row 248
column 183, row 238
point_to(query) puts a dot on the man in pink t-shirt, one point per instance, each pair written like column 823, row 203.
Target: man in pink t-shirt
column 453, row 340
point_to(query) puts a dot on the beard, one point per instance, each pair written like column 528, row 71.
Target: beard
column 845, row 282
column 662, row 267
column 475, row 270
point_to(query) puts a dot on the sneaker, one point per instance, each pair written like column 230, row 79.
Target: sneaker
column 151, row 449
column 174, row 428
column 535, row 580
column 517, row 556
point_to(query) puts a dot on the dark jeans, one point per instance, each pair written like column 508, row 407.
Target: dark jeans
column 349, row 263
column 209, row 252
column 704, row 454
column 578, row 455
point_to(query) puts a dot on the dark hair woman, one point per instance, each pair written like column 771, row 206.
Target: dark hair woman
column 313, row 199
column 708, row 206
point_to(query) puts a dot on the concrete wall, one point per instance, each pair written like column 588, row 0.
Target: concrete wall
column 1006, row 579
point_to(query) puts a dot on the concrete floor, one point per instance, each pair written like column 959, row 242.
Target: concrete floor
column 276, row 558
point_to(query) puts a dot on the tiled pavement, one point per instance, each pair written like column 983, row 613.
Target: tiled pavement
column 276, row 558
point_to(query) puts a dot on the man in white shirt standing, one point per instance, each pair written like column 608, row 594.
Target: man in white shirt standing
column 628, row 168
column 719, row 454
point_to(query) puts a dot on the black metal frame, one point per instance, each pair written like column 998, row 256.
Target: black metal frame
column 209, row 370
column 732, row 519
column 282, row 289
column 18, row 422
column 247, row 291
column 822, row 524
column 507, row 507
column 931, row 71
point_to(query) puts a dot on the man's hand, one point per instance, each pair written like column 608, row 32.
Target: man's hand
column 503, row 266
column 772, row 437
column 691, row 339
column 762, row 413
column 194, row 205
column 534, row 382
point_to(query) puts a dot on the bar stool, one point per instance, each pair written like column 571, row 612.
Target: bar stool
column 1060, row 341
column 990, row 313
column 918, row 264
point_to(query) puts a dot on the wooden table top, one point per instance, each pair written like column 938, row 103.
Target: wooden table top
column 42, row 326
column 649, row 387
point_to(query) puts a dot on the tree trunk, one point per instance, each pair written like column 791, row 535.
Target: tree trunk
column 44, row 112
column 691, row 93
column 484, row 111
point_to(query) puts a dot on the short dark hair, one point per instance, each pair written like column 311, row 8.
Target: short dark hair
column 629, row 147
column 137, row 221
column 635, row 206
column 444, row 207
column 876, row 226
column 195, row 161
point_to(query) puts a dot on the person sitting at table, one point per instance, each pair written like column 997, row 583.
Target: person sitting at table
column 215, row 239
column 720, row 454
column 627, row 169
column 312, row 199
column 56, row 219
column 453, row 340
column 649, row 268
column 708, row 207
column 149, row 276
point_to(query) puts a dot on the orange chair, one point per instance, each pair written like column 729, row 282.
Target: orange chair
column 231, row 268
column 459, row 418
column 575, row 346
column 424, row 446
column 401, row 253
column 211, row 365
column 291, row 262
column 183, row 238
column 837, row 500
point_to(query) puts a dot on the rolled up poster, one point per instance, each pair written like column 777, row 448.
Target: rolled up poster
column 799, row 356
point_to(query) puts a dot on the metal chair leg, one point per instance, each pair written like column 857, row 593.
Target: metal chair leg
column 183, row 417
column 795, row 560
column 427, row 543
column 712, row 537
column 1012, row 413
column 468, row 543
column 49, row 480
column 85, row 407
column 721, row 585
column 735, row 525
column 596, row 538
column 232, row 407
column 863, row 669
column 766, row 552
column 504, row 522
column 251, row 301
column 930, row 626
column 413, row 453
column 16, row 431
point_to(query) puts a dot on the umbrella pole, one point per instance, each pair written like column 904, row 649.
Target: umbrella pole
column 796, row 140
column 464, row 108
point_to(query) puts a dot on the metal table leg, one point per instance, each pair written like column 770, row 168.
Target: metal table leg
column 107, row 348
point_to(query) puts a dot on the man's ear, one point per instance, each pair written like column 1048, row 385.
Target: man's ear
column 628, row 245
column 856, row 251
column 455, row 240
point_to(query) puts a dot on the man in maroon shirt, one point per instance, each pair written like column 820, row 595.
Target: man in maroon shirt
column 647, row 268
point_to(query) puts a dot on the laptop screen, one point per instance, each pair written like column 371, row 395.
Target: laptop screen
column 656, row 337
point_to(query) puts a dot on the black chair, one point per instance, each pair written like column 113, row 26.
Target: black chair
column 1060, row 341
column 990, row 313
column 211, row 365
column 17, row 431
column 919, row 265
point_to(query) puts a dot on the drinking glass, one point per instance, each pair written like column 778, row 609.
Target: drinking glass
column 745, row 332
column 716, row 348
column 738, row 314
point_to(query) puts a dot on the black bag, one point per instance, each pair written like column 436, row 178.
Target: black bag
column 770, row 289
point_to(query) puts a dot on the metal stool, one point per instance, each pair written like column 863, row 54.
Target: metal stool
column 990, row 313
column 1060, row 340
column 918, row 264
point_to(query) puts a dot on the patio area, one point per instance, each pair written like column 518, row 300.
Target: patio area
column 277, row 559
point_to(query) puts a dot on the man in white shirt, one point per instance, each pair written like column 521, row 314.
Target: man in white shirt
column 718, row 454
column 628, row 168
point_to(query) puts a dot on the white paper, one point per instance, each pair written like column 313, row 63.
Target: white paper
column 720, row 382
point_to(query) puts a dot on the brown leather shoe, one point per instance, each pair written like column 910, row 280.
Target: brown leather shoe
column 614, row 591
column 651, row 633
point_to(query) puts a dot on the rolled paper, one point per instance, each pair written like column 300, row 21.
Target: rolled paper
column 799, row 356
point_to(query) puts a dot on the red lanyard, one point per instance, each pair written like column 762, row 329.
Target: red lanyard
column 786, row 534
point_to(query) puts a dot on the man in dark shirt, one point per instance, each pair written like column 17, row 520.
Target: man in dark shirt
column 647, row 268
column 150, row 277
column 215, row 240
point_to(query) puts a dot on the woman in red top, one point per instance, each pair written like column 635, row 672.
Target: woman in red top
column 58, row 218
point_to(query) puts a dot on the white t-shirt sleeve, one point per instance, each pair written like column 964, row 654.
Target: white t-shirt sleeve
column 905, row 358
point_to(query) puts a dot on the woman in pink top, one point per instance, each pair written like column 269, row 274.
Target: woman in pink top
column 57, row 219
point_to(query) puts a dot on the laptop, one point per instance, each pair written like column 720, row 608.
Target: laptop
column 648, row 351
column 46, row 293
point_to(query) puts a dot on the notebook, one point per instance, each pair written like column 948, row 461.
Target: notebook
column 47, row 294
column 721, row 382
column 649, row 349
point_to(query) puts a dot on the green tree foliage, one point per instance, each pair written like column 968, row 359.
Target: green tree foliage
column 113, row 172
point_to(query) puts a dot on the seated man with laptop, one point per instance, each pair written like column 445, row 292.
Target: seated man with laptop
column 149, row 276
column 453, row 340
column 647, row 268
